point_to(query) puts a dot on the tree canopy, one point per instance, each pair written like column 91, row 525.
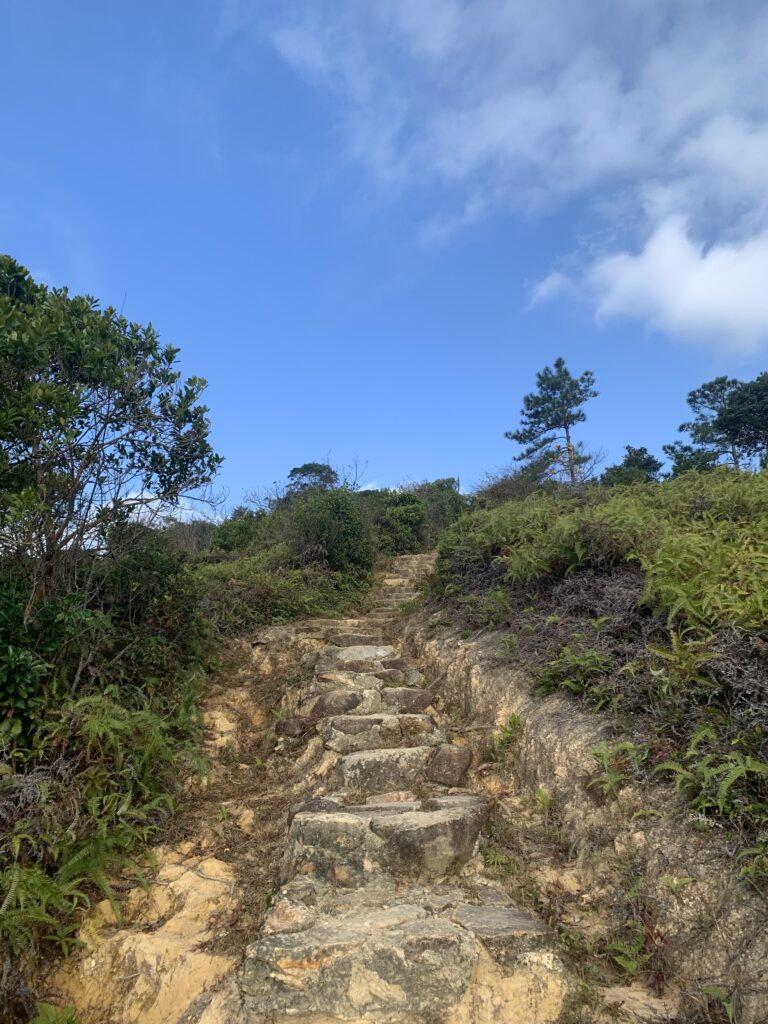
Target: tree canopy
column 637, row 466
column 743, row 418
column 96, row 425
column 312, row 475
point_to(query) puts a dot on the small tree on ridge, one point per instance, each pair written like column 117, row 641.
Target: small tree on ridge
column 550, row 413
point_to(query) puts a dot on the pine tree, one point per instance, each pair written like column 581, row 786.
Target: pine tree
column 549, row 415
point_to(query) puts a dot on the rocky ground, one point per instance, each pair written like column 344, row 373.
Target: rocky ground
column 330, row 869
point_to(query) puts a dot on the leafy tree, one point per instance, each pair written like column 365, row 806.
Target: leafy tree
column 312, row 475
column 743, row 418
column 637, row 466
column 97, row 431
column 549, row 415
column 706, row 430
column 400, row 528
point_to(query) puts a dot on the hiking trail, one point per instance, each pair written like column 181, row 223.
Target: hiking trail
column 384, row 914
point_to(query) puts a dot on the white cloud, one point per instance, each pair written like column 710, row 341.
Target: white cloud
column 679, row 286
column 655, row 110
column 554, row 284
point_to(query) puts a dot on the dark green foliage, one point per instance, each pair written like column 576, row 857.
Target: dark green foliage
column 743, row 417
column 550, row 413
column 96, row 428
column 241, row 594
column 637, row 467
column 443, row 503
column 102, row 646
column 402, row 524
column 706, row 431
column 686, row 458
column 242, row 528
column 311, row 549
column 325, row 526
column 312, row 475
column 730, row 423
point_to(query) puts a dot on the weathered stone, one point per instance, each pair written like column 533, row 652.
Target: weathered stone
column 294, row 726
column 359, row 702
column 396, row 662
column 348, row 733
column 382, row 966
column 377, row 771
column 449, row 766
column 452, row 801
column 393, row 797
column 338, row 679
column 365, row 654
column 407, row 698
column 489, row 921
column 430, row 844
column 383, row 807
column 314, row 805
column 354, row 640
column 286, row 916
column 391, row 676
column 334, row 846
column 335, row 702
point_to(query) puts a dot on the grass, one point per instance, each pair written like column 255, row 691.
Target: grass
column 247, row 592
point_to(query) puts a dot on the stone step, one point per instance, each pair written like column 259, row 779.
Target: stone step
column 387, row 699
column 331, row 657
column 383, row 965
column 426, row 954
column 355, row 846
column 409, row 676
column 430, row 843
column 354, row 639
column 377, row 771
column 449, row 766
column 348, row 733
column 406, row 698
column 338, row 847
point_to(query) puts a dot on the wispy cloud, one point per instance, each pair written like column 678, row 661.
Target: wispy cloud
column 482, row 106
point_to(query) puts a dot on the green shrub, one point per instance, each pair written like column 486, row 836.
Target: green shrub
column 701, row 539
column 326, row 527
column 699, row 543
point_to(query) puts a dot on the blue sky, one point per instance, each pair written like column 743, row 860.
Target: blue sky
column 368, row 224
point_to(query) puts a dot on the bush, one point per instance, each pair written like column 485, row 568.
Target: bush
column 700, row 539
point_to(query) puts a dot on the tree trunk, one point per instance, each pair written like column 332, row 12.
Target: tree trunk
column 570, row 456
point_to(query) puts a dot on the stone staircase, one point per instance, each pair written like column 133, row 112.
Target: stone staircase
column 384, row 914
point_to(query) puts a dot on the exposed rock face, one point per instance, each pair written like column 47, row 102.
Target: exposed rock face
column 377, row 965
column 713, row 926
